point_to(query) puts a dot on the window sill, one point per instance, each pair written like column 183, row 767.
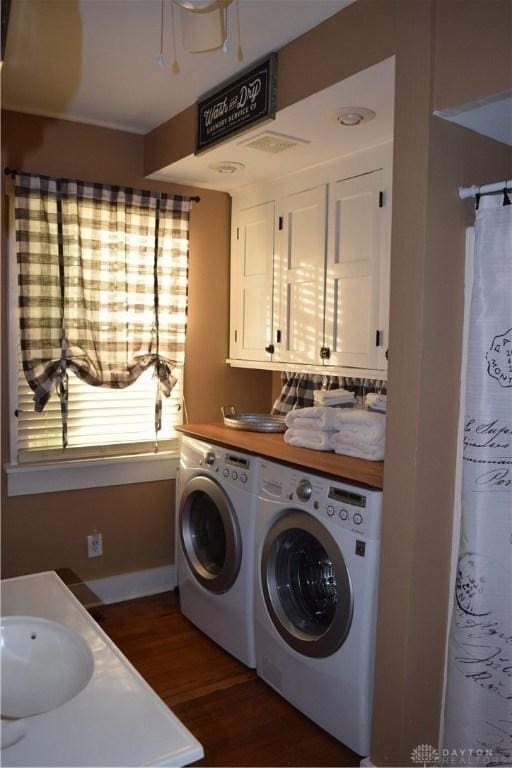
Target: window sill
column 25, row 479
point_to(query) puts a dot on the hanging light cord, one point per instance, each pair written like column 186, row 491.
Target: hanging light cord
column 175, row 64
column 161, row 58
column 239, row 51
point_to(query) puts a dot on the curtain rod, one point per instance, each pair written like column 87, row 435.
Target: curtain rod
column 485, row 189
column 12, row 173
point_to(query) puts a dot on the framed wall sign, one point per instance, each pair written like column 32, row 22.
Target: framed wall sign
column 237, row 104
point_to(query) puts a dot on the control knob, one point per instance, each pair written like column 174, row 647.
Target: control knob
column 209, row 458
column 304, row 490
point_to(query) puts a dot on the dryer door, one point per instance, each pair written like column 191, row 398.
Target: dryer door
column 306, row 585
column 210, row 534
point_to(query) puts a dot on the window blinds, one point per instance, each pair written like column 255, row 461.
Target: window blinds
column 101, row 421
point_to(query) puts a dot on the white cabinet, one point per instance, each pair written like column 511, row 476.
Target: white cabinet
column 300, row 261
column 310, row 269
column 252, row 252
column 354, row 332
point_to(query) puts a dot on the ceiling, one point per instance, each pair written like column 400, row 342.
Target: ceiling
column 96, row 61
column 312, row 121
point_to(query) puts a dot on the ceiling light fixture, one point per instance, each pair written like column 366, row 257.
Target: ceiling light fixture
column 202, row 6
column 204, row 27
column 226, row 166
column 350, row 116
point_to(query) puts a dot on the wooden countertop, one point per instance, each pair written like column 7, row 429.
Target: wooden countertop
column 273, row 446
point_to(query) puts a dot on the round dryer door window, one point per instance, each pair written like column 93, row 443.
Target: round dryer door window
column 306, row 585
column 210, row 534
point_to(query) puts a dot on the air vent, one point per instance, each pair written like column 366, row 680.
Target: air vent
column 273, row 143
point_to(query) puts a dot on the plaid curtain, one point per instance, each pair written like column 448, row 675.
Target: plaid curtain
column 102, row 274
column 298, row 389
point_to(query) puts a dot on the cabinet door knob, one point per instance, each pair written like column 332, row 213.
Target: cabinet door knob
column 270, row 349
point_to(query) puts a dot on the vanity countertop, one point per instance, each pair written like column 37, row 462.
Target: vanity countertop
column 272, row 446
column 116, row 720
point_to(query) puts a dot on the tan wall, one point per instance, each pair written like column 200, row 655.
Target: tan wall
column 169, row 142
column 430, row 161
column 48, row 531
column 473, row 50
column 413, row 614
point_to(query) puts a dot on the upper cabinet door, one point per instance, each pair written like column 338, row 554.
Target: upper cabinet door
column 354, row 332
column 300, row 262
column 252, row 252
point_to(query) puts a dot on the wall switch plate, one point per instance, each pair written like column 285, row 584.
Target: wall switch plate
column 95, row 544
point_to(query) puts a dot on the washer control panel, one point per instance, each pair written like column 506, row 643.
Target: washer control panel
column 234, row 469
column 356, row 509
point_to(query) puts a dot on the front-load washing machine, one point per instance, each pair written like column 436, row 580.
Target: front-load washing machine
column 215, row 509
column 316, row 579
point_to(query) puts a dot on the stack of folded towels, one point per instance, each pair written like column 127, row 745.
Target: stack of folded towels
column 361, row 434
column 347, row 431
column 339, row 398
column 311, row 427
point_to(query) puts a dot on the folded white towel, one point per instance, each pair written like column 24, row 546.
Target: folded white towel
column 358, row 449
column 319, row 440
column 315, row 417
column 376, row 402
column 355, row 424
column 333, row 397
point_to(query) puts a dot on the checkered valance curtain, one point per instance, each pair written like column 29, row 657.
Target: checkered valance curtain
column 298, row 389
column 102, row 274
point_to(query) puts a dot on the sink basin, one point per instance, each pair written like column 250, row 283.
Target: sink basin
column 43, row 665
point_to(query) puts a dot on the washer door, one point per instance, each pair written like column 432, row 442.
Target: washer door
column 210, row 534
column 306, row 585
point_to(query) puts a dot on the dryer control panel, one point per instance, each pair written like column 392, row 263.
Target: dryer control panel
column 356, row 508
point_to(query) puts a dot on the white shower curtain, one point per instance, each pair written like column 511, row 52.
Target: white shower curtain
column 478, row 706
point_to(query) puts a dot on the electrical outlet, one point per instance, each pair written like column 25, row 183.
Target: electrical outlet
column 95, row 544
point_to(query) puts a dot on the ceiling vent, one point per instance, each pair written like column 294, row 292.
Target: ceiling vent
column 273, row 143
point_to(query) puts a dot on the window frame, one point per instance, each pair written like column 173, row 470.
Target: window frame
column 73, row 473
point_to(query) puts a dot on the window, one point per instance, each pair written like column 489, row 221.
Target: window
column 143, row 291
column 101, row 422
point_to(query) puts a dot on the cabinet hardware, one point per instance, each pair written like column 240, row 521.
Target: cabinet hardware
column 325, row 353
column 381, row 199
column 280, row 223
column 236, row 336
column 238, row 233
column 270, row 349
column 378, row 338
column 278, row 337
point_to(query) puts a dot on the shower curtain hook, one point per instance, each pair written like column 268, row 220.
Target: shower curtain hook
column 506, row 198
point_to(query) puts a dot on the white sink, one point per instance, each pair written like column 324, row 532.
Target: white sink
column 43, row 665
column 86, row 713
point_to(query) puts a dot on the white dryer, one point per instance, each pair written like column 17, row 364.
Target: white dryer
column 215, row 521
column 316, row 581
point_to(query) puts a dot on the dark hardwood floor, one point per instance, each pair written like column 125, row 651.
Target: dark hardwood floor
column 239, row 720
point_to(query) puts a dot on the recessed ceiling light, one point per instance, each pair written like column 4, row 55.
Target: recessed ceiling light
column 350, row 116
column 226, row 166
column 203, row 6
